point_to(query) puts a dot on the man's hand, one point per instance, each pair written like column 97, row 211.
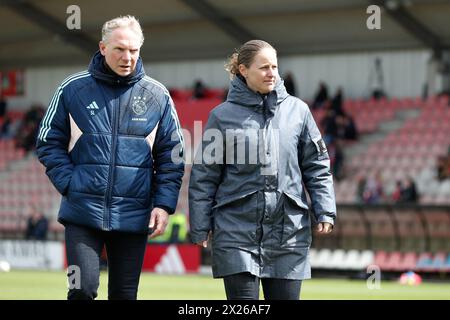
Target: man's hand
column 204, row 243
column 324, row 227
column 160, row 218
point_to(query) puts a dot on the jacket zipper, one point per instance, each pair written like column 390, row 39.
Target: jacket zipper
column 107, row 212
column 264, row 111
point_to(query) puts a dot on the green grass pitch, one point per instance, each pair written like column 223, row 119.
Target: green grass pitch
column 25, row 285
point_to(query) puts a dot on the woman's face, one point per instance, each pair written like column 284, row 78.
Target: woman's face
column 262, row 72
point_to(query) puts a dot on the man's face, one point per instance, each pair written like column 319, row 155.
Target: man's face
column 263, row 71
column 121, row 50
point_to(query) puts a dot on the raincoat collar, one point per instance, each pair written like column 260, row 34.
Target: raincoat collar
column 240, row 93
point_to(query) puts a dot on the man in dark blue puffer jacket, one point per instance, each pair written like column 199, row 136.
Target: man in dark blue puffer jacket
column 112, row 146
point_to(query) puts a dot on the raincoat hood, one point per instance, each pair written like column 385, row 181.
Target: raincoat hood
column 240, row 93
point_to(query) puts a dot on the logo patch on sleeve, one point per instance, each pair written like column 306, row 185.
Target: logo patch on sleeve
column 322, row 152
column 322, row 147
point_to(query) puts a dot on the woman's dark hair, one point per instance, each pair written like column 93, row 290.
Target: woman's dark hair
column 245, row 55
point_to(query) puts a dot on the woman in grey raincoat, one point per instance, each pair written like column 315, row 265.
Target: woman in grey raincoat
column 261, row 152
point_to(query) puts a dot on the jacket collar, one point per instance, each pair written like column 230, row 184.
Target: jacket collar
column 240, row 93
column 100, row 70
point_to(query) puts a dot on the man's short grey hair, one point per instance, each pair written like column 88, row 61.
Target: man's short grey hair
column 122, row 22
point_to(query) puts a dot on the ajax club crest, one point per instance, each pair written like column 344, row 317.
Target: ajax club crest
column 139, row 106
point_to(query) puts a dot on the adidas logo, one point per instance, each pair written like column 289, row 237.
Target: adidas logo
column 171, row 262
column 93, row 106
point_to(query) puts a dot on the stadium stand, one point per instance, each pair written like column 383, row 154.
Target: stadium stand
column 400, row 135
column 397, row 238
column 24, row 184
column 8, row 153
column 411, row 150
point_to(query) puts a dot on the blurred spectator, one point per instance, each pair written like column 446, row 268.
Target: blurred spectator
column 321, row 97
column 397, row 194
column 361, row 184
column 409, row 193
column 336, row 154
column 351, row 132
column 329, row 125
column 35, row 114
column 199, row 90
column 443, row 167
column 5, row 129
column 37, row 226
column 289, row 84
column 376, row 80
column 3, row 105
column 341, row 126
column 338, row 126
column 337, row 102
column 28, row 130
column 373, row 190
